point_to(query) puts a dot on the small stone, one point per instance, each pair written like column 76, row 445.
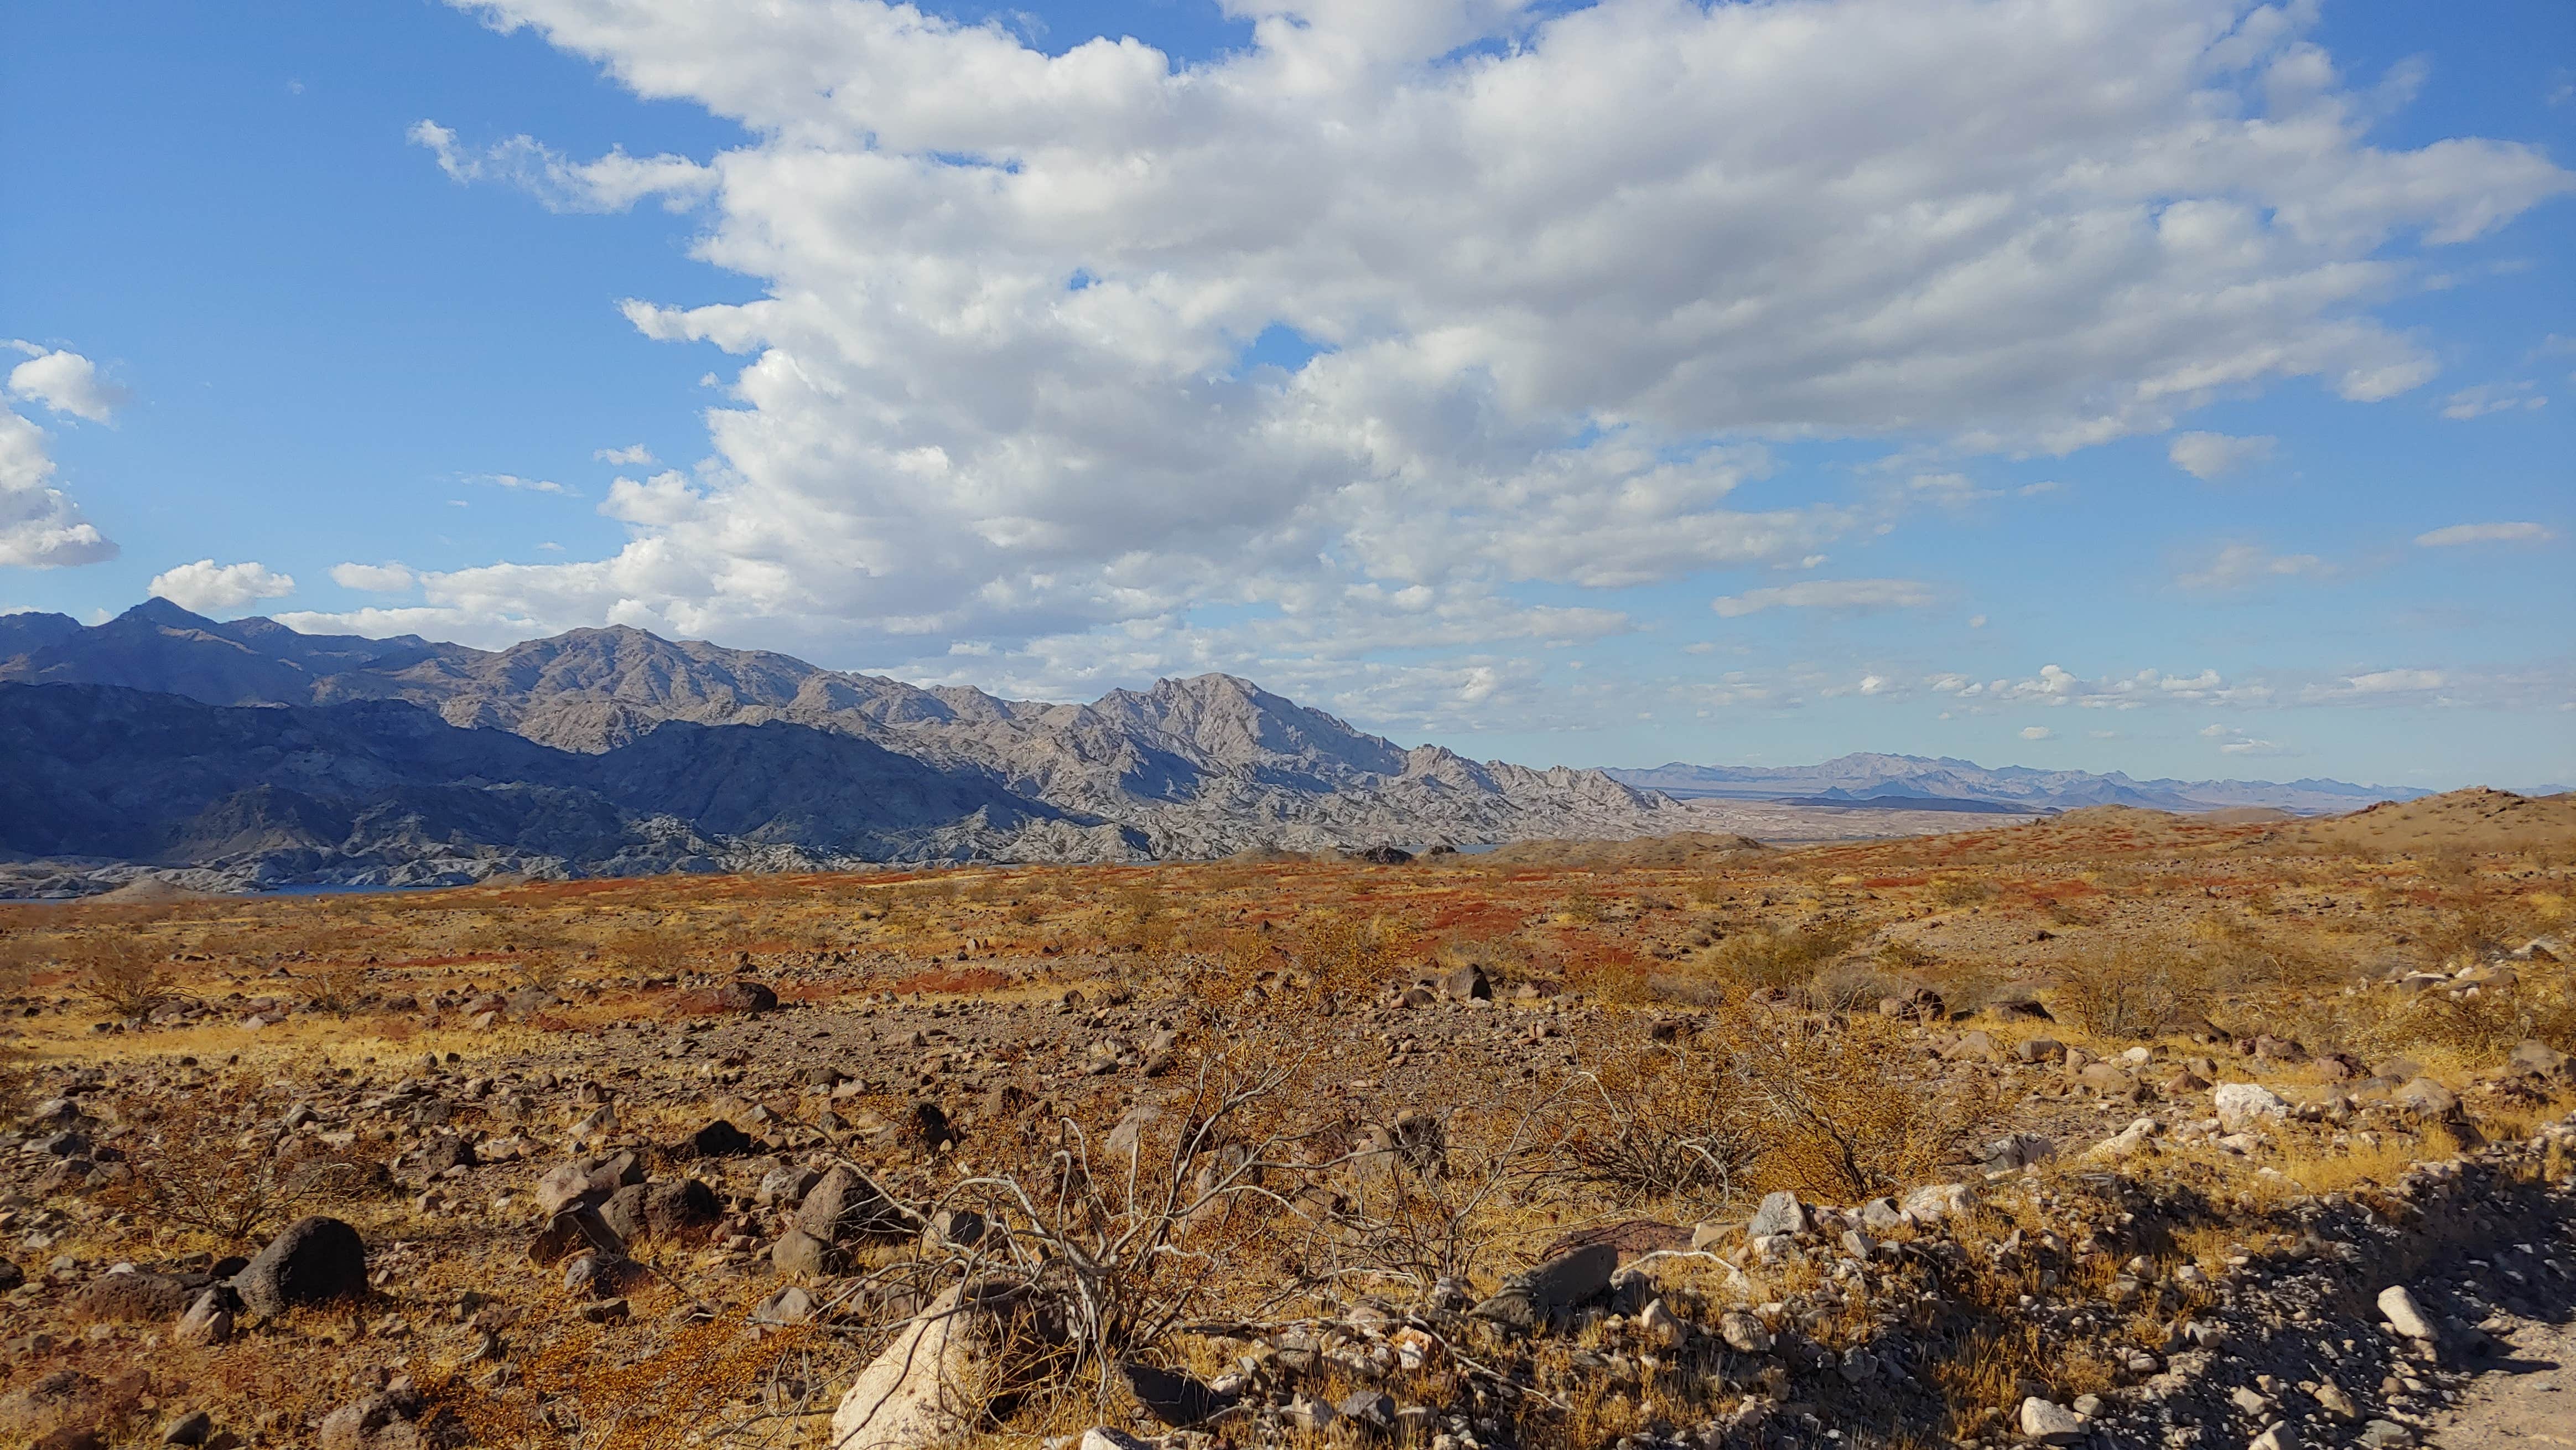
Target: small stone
column 1368, row 1407
column 2336, row 1402
column 2050, row 1421
column 1780, row 1213
column 719, row 1139
column 1743, row 1333
column 1881, row 1215
column 2403, row 1314
column 1662, row 1325
column 192, row 1428
column 1102, row 1437
column 2278, row 1437
column 208, row 1321
column 791, row 1305
column 2385, row 1435
column 798, row 1252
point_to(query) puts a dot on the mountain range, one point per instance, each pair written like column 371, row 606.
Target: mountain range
column 245, row 754
column 1919, row 782
column 242, row 753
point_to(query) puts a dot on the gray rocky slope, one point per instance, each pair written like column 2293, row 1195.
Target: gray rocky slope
column 609, row 726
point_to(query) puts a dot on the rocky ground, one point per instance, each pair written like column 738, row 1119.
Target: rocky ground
column 1703, row 1154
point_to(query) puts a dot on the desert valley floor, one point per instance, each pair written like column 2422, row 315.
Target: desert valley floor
column 2117, row 1128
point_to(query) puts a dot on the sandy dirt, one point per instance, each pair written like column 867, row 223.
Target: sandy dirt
column 2530, row 1401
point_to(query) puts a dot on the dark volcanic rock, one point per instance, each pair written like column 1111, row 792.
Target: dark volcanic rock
column 314, row 1261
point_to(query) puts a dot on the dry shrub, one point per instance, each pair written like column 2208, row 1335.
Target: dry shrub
column 2483, row 1027
column 201, row 1161
column 1582, row 906
column 2128, row 990
column 336, row 988
column 1962, row 890
column 1341, row 957
column 1829, row 1108
column 1658, row 1124
column 2237, row 956
column 1784, row 957
column 655, row 951
column 126, row 973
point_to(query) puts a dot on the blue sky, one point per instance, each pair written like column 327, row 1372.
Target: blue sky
column 1593, row 384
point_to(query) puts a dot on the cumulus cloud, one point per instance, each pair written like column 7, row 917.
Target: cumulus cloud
column 2457, row 535
column 2214, row 455
column 40, row 526
column 2036, row 732
column 372, row 578
column 1560, row 272
column 634, row 455
column 206, row 586
column 66, row 382
column 1844, row 594
column 2236, row 568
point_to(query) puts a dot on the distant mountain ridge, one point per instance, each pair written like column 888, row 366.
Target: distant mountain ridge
column 1897, row 780
column 256, row 754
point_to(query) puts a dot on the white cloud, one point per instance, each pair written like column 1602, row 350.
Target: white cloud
column 2488, row 398
column 2239, row 567
column 2036, row 732
column 40, row 526
column 526, row 485
column 2214, row 455
column 206, row 586
column 991, row 387
column 612, row 183
column 1847, row 594
column 66, row 382
column 2519, row 532
column 372, row 578
column 2383, row 682
column 634, row 455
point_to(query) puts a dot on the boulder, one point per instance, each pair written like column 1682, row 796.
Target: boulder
column 800, row 1253
column 719, row 1139
column 314, row 1261
column 1543, row 1293
column 1466, row 984
column 2242, row 1105
column 132, row 1297
column 1175, row 1398
column 378, row 1422
column 2534, row 1058
column 581, row 1229
column 746, row 997
column 921, row 1390
column 1938, row 1201
column 845, row 1204
column 2403, row 1314
column 2048, row 1421
column 208, row 1321
column 1780, row 1213
column 1743, row 1333
column 2040, row 1049
column 2426, row 1098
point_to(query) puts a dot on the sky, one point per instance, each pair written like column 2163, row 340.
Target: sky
column 2182, row 387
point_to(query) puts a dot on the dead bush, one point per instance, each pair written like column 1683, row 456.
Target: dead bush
column 1829, row 1108
column 2130, row 990
column 1955, row 891
column 1656, row 1124
column 655, row 951
column 336, row 987
column 1784, row 957
column 126, row 973
column 205, row 1160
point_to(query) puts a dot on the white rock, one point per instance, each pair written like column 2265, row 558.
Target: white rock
column 1102, row 1437
column 2047, row 1420
column 914, row 1394
column 2241, row 1105
column 2403, row 1314
column 1938, row 1201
